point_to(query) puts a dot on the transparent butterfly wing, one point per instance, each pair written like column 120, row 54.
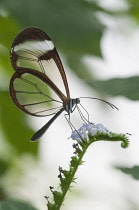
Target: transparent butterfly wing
column 30, row 92
column 39, row 86
column 33, row 49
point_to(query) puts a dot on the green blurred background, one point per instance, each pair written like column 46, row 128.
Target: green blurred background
column 77, row 32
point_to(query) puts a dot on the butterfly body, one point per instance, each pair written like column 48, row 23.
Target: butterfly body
column 71, row 105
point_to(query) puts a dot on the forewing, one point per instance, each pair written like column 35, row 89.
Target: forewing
column 33, row 49
column 30, row 92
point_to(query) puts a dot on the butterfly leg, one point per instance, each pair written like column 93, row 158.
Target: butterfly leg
column 68, row 120
column 86, row 120
column 72, row 126
column 85, row 111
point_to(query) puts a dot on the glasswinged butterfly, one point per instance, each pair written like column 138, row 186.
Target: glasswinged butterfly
column 39, row 71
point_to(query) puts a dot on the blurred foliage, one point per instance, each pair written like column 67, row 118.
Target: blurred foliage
column 15, row 205
column 134, row 9
column 12, row 127
column 7, row 33
column 133, row 171
column 76, row 31
column 80, row 35
column 4, row 166
column 126, row 87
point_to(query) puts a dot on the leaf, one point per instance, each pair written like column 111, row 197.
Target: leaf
column 5, row 65
column 133, row 8
column 134, row 171
column 15, row 128
column 15, row 205
column 71, row 24
column 79, row 67
column 127, row 87
column 9, row 30
column 4, row 165
column 8, row 33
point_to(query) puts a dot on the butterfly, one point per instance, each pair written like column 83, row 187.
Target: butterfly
column 39, row 85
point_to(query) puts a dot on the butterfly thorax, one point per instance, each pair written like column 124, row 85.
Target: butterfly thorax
column 71, row 105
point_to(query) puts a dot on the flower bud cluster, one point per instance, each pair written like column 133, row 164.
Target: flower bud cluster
column 90, row 129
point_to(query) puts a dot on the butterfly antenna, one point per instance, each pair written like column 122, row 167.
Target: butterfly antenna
column 99, row 99
column 69, row 122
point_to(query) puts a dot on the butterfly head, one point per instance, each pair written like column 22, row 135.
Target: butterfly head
column 71, row 105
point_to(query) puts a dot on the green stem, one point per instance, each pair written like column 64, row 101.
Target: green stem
column 71, row 176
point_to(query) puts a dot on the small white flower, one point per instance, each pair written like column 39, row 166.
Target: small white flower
column 80, row 134
column 87, row 130
column 101, row 128
column 93, row 131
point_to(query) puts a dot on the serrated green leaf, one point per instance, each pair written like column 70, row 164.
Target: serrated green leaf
column 57, row 195
column 15, row 128
column 74, row 161
column 15, row 205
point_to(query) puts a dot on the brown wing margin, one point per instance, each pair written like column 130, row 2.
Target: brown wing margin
column 41, row 76
column 36, row 34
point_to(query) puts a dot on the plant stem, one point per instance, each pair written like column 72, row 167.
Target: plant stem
column 71, row 175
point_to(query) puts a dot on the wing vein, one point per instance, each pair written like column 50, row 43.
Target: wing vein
column 48, row 110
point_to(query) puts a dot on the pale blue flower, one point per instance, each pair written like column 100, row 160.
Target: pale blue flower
column 86, row 130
